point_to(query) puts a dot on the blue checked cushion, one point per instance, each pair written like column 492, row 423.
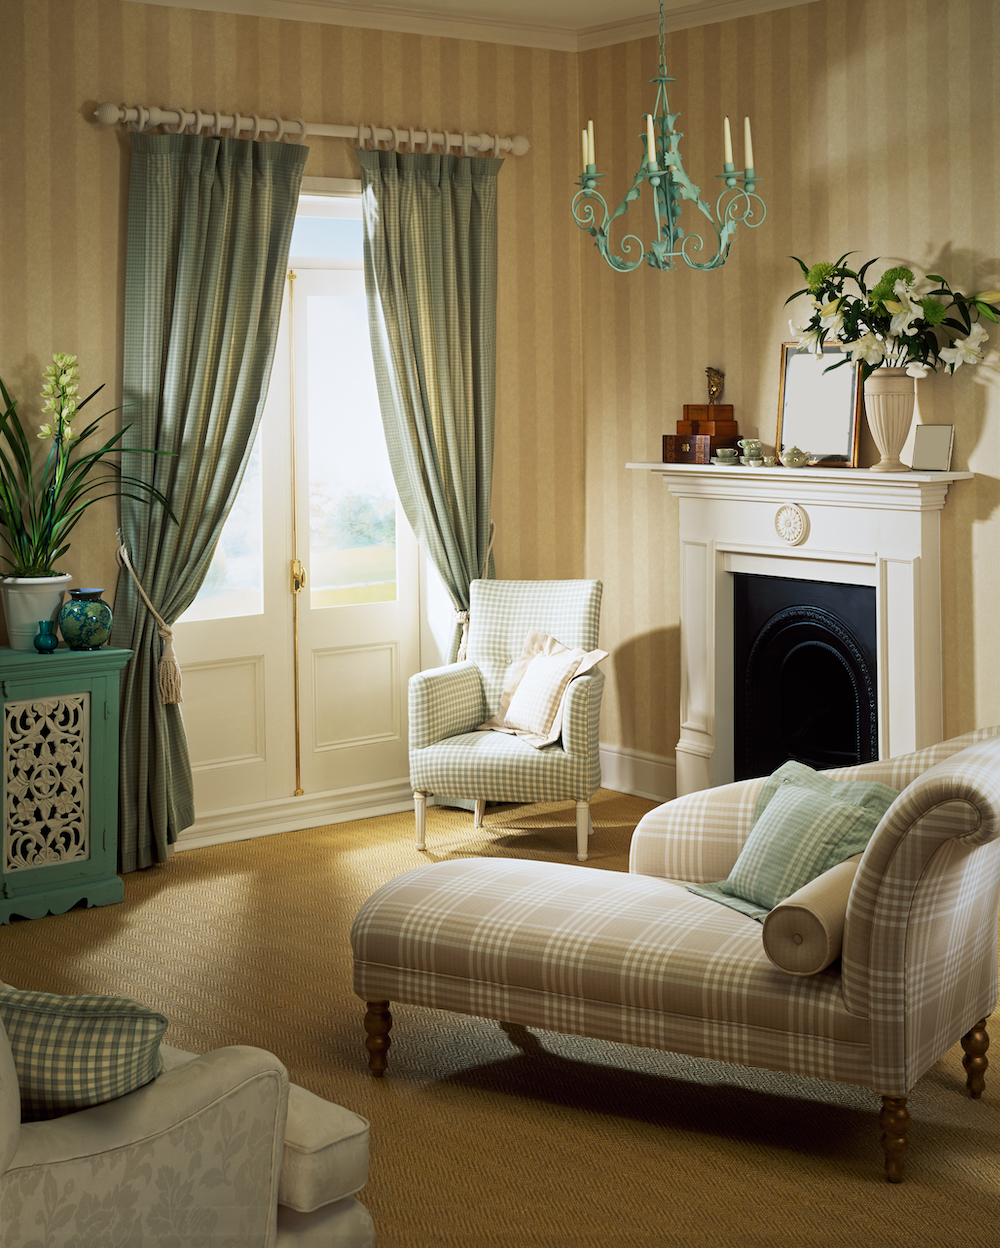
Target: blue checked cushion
column 805, row 824
column 71, row 1052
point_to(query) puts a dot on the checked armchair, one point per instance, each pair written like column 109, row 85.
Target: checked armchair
column 450, row 754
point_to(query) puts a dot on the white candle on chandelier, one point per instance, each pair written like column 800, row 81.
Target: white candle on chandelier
column 591, row 158
column 650, row 142
column 586, row 148
column 727, row 139
column 747, row 143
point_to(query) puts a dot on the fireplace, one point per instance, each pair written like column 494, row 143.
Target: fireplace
column 804, row 674
column 839, row 527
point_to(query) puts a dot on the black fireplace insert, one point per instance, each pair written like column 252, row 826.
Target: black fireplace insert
column 805, row 674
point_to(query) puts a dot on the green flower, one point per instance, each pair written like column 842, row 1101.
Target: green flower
column 886, row 284
column 934, row 312
column 819, row 274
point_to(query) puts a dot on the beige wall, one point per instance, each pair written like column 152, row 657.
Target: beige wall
column 875, row 130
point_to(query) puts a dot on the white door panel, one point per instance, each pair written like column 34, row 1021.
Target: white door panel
column 316, row 491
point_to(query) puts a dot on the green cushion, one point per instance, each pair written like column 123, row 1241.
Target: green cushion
column 71, row 1052
column 805, row 823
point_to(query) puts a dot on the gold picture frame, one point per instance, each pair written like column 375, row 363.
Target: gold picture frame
column 819, row 411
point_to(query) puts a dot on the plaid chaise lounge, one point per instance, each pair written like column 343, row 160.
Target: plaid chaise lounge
column 637, row 958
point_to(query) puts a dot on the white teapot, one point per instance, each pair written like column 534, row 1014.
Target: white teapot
column 792, row 457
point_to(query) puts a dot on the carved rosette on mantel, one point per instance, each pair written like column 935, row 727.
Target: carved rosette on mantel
column 837, row 526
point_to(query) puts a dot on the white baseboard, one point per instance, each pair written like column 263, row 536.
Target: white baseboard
column 643, row 775
column 290, row 814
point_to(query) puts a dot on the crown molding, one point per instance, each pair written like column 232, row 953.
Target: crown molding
column 486, row 30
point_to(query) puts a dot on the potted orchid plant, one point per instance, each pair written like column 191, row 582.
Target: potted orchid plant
column 894, row 333
column 41, row 505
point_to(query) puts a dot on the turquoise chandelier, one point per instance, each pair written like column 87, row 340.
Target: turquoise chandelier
column 670, row 185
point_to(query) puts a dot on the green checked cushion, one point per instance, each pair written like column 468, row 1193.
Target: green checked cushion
column 71, row 1052
column 805, row 824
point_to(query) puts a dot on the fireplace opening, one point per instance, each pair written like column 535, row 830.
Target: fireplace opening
column 805, row 674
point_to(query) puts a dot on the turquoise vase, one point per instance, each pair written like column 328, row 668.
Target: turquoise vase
column 85, row 621
column 46, row 639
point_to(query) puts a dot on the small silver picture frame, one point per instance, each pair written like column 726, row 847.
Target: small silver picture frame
column 932, row 446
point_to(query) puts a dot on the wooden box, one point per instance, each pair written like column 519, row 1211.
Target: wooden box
column 708, row 411
column 714, row 428
column 692, row 448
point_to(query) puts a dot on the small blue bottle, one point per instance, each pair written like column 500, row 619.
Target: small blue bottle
column 45, row 639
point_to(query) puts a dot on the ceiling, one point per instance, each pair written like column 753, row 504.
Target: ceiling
column 565, row 25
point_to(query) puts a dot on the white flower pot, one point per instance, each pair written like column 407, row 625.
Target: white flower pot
column 28, row 599
column 889, row 400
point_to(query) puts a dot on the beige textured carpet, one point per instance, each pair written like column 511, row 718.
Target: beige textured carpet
column 475, row 1141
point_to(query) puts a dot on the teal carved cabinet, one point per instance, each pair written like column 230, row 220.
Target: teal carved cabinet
column 59, row 780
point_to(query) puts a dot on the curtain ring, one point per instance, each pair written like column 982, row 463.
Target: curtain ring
column 450, row 141
column 410, row 143
column 375, row 139
column 465, row 144
column 256, row 127
column 395, row 138
column 428, row 141
column 302, row 131
column 181, row 125
column 496, row 145
column 140, row 119
column 201, row 120
column 281, row 129
column 237, row 126
column 216, row 126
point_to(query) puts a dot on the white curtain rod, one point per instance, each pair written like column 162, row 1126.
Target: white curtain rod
column 144, row 118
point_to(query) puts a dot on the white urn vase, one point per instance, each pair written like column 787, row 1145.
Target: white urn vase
column 26, row 601
column 889, row 400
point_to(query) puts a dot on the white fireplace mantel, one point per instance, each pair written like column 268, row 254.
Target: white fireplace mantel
column 843, row 525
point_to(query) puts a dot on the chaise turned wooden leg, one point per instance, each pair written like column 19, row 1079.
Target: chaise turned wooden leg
column 895, row 1123
column 378, row 1022
column 975, row 1042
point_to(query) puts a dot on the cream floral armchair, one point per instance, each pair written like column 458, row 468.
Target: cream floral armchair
column 218, row 1149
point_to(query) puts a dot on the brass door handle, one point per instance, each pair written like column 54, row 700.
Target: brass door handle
column 298, row 577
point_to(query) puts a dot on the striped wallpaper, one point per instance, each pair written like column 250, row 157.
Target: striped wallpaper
column 875, row 128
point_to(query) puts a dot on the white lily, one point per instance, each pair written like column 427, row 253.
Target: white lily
column 830, row 316
column 869, row 348
column 904, row 310
column 967, row 350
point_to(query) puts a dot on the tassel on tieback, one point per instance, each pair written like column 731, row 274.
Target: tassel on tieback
column 169, row 671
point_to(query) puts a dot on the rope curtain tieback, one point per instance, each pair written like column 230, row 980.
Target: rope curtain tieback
column 169, row 673
column 462, row 617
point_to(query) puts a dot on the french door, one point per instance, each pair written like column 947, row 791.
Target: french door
column 297, row 652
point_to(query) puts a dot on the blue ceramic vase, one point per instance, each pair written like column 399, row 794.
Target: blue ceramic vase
column 46, row 639
column 85, row 621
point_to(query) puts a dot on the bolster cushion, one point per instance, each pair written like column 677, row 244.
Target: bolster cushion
column 805, row 933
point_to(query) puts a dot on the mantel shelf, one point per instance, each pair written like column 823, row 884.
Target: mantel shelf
column 856, row 487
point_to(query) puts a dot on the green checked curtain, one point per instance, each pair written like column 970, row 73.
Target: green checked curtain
column 209, row 225
column 430, row 225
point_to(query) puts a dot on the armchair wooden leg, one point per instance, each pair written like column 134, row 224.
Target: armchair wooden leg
column 895, row 1123
column 378, row 1022
column 420, row 817
column 477, row 818
column 583, row 830
column 975, row 1042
